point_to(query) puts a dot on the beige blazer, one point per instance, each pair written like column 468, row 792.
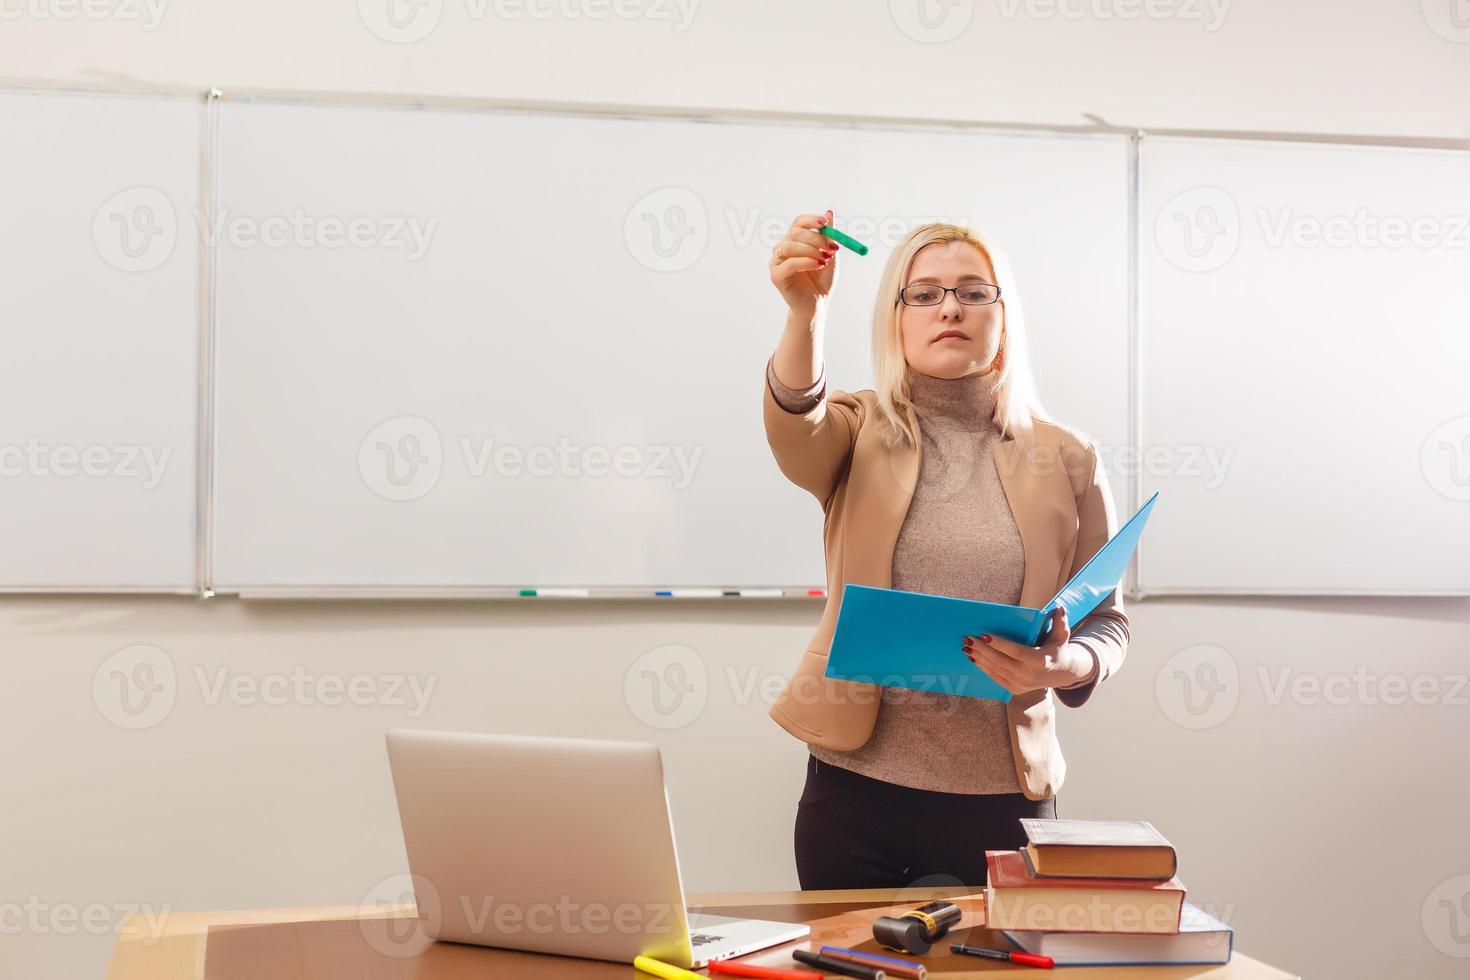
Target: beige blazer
column 1059, row 496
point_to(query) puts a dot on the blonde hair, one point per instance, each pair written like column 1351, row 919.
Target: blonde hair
column 1017, row 401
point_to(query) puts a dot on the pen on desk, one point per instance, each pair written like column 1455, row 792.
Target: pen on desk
column 892, row 965
column 1024, row 959
column 666, row 970
column 733, row 969
column 829, row 965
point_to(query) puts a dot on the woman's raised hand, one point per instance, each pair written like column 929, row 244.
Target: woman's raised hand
column 804, row 264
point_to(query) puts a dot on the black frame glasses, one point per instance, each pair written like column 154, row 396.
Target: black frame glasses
column 902, row 298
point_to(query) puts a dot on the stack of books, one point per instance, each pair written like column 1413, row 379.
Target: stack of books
column 1099, row 893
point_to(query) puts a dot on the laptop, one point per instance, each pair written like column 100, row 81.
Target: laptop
column 553, row 845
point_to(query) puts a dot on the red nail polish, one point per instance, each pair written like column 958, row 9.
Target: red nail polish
column 985, row 637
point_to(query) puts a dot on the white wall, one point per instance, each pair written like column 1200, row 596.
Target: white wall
column 1351, row 66
column 1309, row 825
column 1299, row 820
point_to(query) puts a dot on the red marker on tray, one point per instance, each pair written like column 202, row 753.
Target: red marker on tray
column 1024, row 959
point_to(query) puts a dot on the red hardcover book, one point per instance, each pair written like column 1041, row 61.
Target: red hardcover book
column 1014, row 899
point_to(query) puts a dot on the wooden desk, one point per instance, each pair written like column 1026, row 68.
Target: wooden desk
column 330, row 943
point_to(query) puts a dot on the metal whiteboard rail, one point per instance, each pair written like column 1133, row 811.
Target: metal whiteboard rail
column 1132, row 575
column 1094, row 125
column 59, row 590
column 208, row 269
column 349, row 592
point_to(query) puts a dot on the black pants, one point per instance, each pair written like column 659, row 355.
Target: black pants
column 854, row 831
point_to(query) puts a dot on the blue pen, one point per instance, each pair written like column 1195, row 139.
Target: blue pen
column 910, row 968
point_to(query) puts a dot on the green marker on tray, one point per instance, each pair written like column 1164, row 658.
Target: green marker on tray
column 842, row 239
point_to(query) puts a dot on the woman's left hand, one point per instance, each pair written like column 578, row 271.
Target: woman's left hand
column 1019, row 668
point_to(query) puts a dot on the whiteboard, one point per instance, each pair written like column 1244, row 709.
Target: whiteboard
column 1305, row 317
column 99, row 378
column 556, row 380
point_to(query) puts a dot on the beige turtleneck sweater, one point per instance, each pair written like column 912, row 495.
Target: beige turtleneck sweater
column 958, row 539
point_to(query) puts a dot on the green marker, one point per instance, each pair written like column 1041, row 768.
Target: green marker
column 842, row 239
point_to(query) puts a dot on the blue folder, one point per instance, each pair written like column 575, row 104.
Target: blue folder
column 895, row 638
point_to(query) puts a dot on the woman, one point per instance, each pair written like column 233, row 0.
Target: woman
column 947, row 478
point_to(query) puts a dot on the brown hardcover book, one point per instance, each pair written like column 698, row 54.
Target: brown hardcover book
column 1099, row 849
column 1016, row 900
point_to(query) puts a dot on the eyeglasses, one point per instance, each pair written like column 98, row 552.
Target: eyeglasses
column 929, row 294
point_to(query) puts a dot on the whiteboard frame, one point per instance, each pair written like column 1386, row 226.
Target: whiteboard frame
column 209, row 188
column 607, row 111
column 1134, row 591
column 167, row 94
column 208, row 363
